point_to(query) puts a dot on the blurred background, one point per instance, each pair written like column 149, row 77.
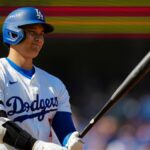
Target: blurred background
column 94, row 47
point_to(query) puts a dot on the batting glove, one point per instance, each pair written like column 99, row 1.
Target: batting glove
column 41, row 145
column 74, row 142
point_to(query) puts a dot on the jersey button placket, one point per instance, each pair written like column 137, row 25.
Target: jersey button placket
column 34, row 90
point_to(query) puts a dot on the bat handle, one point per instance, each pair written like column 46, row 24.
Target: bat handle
column 131, row 80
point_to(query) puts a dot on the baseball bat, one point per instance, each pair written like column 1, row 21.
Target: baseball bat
column 130, row 81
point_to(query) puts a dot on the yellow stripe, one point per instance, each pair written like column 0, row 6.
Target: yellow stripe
column 96, row 20
column 75, row 3
column 99, row 20
column 99, row 24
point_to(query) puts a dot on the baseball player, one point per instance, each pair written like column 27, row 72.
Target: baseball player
column 35, row 112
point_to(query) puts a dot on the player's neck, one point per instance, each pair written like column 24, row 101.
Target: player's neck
column 19, row 60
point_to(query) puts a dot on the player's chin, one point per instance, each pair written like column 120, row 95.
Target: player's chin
column 35, row 53
column 36, row 49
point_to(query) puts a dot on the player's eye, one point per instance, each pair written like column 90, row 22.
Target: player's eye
column 34, row 34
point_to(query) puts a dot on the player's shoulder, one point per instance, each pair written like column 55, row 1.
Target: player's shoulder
column 2, row 69
column 2, row 64
column 49, row 77
column 2, row 60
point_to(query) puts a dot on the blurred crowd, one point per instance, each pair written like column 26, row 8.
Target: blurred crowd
column 125, row 127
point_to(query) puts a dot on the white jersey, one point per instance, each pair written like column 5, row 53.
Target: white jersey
column 32, row 103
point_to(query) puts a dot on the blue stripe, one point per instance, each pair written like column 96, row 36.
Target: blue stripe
column 63, row 126
column 66, row 139
column 24, row 72
column 40, row 116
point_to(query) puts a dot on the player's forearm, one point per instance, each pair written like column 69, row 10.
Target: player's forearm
column 15, row 136
column 66, row 132
column 63, row 125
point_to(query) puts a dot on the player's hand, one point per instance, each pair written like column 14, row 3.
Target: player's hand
column 74, row 142
column 41, row 145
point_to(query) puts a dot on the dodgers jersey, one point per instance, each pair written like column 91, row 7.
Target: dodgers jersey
column 32, row 102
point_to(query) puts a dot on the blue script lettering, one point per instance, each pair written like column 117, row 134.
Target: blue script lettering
column 19, row 106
